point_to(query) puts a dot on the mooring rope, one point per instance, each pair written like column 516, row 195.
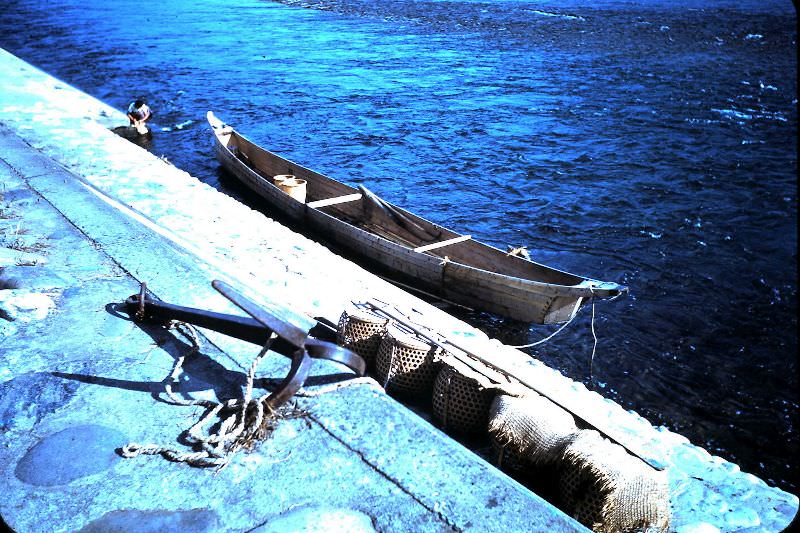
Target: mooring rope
column 556, row 332
column 594, row 347
column 177, row 369
column 567, row 323
column 239, row 429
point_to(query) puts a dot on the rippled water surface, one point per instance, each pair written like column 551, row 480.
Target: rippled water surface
column 650, row 143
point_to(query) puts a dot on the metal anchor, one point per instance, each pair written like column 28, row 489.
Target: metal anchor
column 291, row 341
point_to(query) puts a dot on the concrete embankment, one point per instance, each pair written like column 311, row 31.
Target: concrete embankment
column 86, row 216
column 79, row 380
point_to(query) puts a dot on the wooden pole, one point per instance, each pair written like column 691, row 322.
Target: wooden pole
column 448, row 344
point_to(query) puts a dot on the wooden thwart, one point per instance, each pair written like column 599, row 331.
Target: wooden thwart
column 333, row 201
column 440, row 244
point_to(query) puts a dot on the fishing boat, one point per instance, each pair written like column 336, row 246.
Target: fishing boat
column 450, row 265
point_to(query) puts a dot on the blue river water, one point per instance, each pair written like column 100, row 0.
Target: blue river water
column 651, row 143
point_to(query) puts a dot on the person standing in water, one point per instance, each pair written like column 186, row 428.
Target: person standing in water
column 138, row 114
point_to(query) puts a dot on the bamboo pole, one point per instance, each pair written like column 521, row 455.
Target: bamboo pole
column 461, row 351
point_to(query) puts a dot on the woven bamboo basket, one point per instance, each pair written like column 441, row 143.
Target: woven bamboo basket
column 461, row 400
column 509, row 460
column 361, row 331
column 406, row 365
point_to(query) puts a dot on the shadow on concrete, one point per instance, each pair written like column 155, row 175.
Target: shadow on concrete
column 199, row 371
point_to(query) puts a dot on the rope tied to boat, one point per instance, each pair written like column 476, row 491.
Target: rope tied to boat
column 542, row 341
column 567, row 323
column 250, row 419
column 519, row 251
column 594, row 347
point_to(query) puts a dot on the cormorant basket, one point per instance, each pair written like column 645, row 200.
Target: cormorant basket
column 609, row 490
column 361, row 331
column 406, row 364
column 461, row 398
column 529, row 431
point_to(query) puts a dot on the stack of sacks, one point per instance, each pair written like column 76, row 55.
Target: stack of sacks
column 529, row 431
column 600, row 484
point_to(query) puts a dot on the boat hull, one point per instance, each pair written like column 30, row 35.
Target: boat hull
column 527, row 300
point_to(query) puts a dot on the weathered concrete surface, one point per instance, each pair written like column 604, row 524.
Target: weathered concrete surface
column 707, row 493
column 81, row 380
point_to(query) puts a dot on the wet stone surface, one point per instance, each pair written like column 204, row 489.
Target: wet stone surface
column 196, row 520
column 32, row 277
column 70, row 454
column 23, row 305
column 29, row 398
column 314, row 518
column 23, row 279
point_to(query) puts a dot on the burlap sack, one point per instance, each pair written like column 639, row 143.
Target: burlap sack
column 530, row 430
column 609, row 490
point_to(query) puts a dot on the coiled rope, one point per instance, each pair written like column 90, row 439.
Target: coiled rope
column 248, row 421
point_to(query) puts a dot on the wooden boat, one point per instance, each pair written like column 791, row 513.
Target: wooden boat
column 446, row 263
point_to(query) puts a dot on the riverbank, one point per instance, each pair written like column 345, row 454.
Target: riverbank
column 70, row 402
column 155, row 203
